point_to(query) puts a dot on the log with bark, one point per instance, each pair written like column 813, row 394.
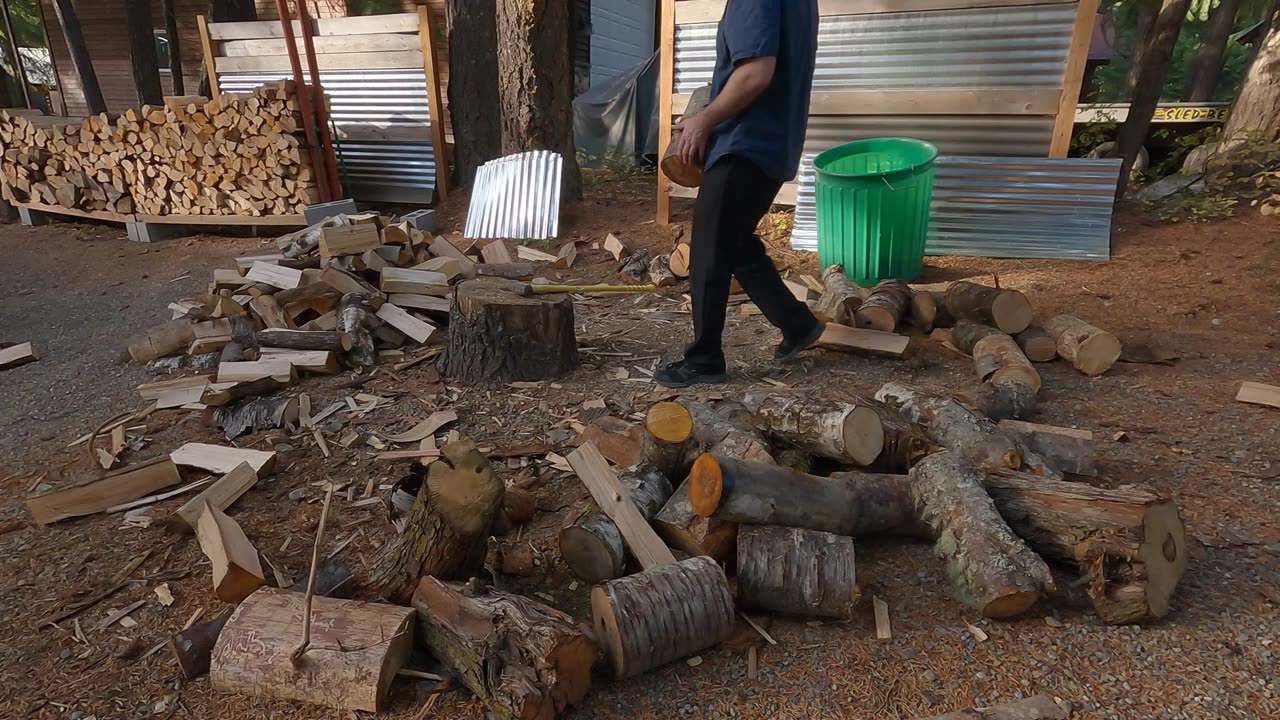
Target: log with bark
column 253, row 415
column 1000, row 575
column 1037, row 345
column 885, row 307
column 354, row 318
column 729, row 430
column 668, row 445
column 334, row 340
column 1001, row 401
column 904, row 442
column 949, row 424
column 827, row 428
column 996, row 356
column 677, row 170
column 840, row 299
column 592, row 546
column 683, row 529
column 929, row 310
column 498, row 335
column 521, row 658
column 1008, row 310
column 170, row 338
column 1090, row 350
column 1067, row 449
column 796, row 572
column 444, row 533
column 665, row 613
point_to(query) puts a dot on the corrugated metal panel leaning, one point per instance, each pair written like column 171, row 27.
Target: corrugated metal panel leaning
column 516, row 197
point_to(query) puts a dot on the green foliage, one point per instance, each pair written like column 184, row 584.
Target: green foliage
column 1179, row 143
column 1089, row 136
column 372, row 7
column 1250, row 171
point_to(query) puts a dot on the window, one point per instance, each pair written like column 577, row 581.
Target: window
column 162, row 50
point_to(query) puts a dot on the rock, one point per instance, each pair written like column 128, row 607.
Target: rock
column 1218, row 322
column 1167, row 186
column 297, row 494
column 1198, row 159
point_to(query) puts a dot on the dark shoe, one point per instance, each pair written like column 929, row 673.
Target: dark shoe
column 681, row 374
column 789, row 349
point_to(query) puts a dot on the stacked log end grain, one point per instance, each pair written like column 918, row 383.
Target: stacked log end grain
column 234, row 155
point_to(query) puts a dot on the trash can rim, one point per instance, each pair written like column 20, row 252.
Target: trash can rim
column 930, row 149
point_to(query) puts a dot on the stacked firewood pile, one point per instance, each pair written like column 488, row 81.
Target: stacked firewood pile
column 234, row 155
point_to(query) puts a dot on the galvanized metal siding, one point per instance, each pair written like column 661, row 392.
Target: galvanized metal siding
column 1026, row 135
column 516, row 197
column 1003, row 208
column 1021, row 46
column 621, row 36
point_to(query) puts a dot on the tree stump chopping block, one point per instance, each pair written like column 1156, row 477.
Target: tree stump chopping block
column 521, row 658
column 828, row 428
column 497, row 335
column 1000, row 574
column 592, row 546
column 662, row 614
column 796, row 572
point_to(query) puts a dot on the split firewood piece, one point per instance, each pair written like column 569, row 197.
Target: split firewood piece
column 348, row 240
column 617, row 247
column 852, row 503
column 1008, row 310
column 305, row 339
column 663, row 614
column 221, row 494
column 592, row 545
column 267, row 310
column 1000, row 574
column 354, row 319
column 567, row 254
column 1037, row 345
column 796, row 572
column 484, row 346
column 929, row 310
column 1066, row 449
column 841, row 298
column 660, row 271
column 95, row 494
column 823, row 427
column 237, row 573
column 170, row 338
column 849, row 339
column 524, row 252
column 441, row 247
column 210, row 336
column 248, row 371
column 1039, row 707
column 496, row 253
column 544, row 656
column 679, row 263
column 255, row 414
column 949, row 424
column 885, row 307
column 687, row 531
column 445, row 532
column 1090, row 350
column 15, row 355
column 1130, row 543
column 358, row 647
column 1256, row 393
column 668, row 445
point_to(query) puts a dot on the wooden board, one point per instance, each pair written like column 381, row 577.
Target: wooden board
column 97, row 494
column 1259, row 394
column 224, row 491
column 250, row 370
column 845, row 338
column 404, row 322
column 16, row 355
column 1073, row 78
column 377, row 42
column 222, row 459
column 615, row 501
column 402, row 60
column 321, row 27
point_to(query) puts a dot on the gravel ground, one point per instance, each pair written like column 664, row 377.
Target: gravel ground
column 1207, row 292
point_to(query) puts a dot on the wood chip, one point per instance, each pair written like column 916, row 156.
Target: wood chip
column 753, row 663
column 426, row 428
column 164, row 594
column 116, row 616
column 883, row 629
column 978, row 633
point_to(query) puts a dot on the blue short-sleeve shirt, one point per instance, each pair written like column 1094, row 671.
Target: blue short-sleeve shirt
column 770, row 132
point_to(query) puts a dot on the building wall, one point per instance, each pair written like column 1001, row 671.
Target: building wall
column 622, row 35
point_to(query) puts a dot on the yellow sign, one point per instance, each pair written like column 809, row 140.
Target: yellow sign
column 1186, row 114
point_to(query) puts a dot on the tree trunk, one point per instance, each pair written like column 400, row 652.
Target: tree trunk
column 1207, row 64
column 885, row 306
column 828, row 428
column 474, row 103
column 175, row 47
column 142, row 51
column 1152, row 69
column 445, row 532
column 80, row 57
column 1255, row 114
column 496, row 335
column 1144, row 22
column 521, row 658
column 535, row 83
column 592, row 546
column 796, row 572
column 662, row 614
column 1001, row 575
column 1090, row 350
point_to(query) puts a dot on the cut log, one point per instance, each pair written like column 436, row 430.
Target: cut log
column 592, row 545
column 496, row 335
column 796, row 572
column 305, row 339
column 681, row 528
column 996, row 356
column 1037, row 345
column 666, row 613
column 847, row 339
column 224, row 491
column 96, row 494
column 660, row 271
column 673, row 167
column 1066, row 449
column 1008, row 310
column 929, row 310
column 170, row 338
column 679, row 263
column 1039, row 707
column 1007, row 400
column 1090, row 350
column 885, row 307
column 354, row 320
column 905, row 443
column 1129, row 543
column 521, row 658
column 356, row 649
column 668, row 445
column 15, row 355
column 237, row 573
column 827, row 428
column 1000, row 575
column 615, row 501
column 949, row 424
column 250, row 416
column 445, row 532
column 840, row 299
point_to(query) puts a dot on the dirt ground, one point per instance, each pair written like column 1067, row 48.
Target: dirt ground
column 1207, row 292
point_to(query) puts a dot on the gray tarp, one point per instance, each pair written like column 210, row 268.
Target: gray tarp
column 616, row 122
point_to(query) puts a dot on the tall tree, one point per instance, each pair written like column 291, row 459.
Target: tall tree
column 175, row 47
column 70, row 23
column 1146, row 92
column 1144, row 22
column 474, row 105
column 142, row 51
column 1207, row 65
column 1255, row 114
column 535, row 81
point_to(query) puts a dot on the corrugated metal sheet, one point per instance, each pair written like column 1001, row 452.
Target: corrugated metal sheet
column 1024, row 135
column 392, row 171
column 1003, row 208
column 516, row 197
column 1023, row 46
column 621, row 36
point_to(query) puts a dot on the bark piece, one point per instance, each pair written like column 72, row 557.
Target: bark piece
column 840, row 299
column 884, row 308
column 592, row 545
column 1039, row 707
column 354, row 319
column 660, row 271
column 635, row 265
column 796, row 572
column 1008, row 310
column 663, row 614
column 496, row 335
column 444, row 534
column 947, row 423
column 827, row 428
column 521, row 658
column 1037, row 345
column 1000, row 574
column 1090, row 350
column 253, row 415
column 1066, row 449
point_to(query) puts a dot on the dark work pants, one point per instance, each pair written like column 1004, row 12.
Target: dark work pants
column 734, row 195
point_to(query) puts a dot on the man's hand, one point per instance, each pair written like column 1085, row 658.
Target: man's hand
column 694, row 133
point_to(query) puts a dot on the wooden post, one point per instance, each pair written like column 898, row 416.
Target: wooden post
column 439, row 147
column 175, row 47
column 666, row 79
column 206, row 48
column 1077, row 58
column 80, row 57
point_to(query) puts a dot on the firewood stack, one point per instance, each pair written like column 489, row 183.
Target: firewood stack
column 234, row 155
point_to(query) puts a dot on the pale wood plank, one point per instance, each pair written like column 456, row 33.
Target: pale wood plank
column 206, row 51
column 1258, row 393
column 382, row 42
column 615, row 501
column 435, row 101
column 666, row 81
column 222, row 459
column 224, row 491
column 403, row 60
column 1077, row 59
column 322, row 27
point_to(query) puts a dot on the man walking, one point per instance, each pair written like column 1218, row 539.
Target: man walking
column 748, row 141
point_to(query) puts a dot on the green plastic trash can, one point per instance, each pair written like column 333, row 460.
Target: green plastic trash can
column 873, row 207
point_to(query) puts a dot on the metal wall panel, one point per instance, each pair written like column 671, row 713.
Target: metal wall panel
column 1003, row 208
column 516, row 197
column 621, row 36
column 392, row 171
column 1023, row 135
column 1019, row 46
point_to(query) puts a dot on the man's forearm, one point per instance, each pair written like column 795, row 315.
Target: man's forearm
column 744, row 85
